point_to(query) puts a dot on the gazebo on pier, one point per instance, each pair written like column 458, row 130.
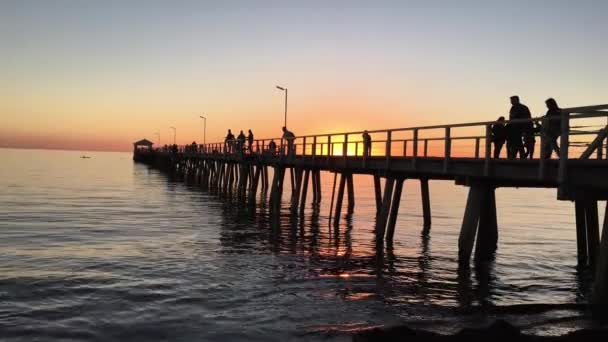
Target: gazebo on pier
column 143, row 145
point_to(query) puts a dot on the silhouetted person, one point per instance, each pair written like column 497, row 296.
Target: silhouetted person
column 529, row 141
column 250, row 141
column 229, row 142
column 240, row 142
column 552, row 129
column 289, row 137
column 272, row 147
column 514, row 142
column 519, row 111
column 367, row 144
column 499, row 135
column 193, row 147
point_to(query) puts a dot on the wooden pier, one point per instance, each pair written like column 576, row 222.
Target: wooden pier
column 458, row 152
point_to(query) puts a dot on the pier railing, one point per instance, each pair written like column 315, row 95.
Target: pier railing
column 467, row 140
column 583, row 135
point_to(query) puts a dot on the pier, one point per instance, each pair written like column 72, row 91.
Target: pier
column 462, row 153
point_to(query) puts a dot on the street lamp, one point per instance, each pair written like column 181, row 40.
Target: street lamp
column 174, row 133
column 285, row 90
column 204, row 129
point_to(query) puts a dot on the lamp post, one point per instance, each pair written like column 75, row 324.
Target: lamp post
column 285, row 90
column 174, row 133
column 204, row 129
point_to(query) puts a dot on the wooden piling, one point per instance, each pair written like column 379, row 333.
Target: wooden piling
column 304, row 192
column 593, row 231
column 319, row 189
column 470, row 221
column 487, row 234
column 378, row 192
column 339, row 199
column 351, row 193
column 254, row 185
column 390, row 229
column 600, row 288
column 384, row 211
column 581, row 232
column 295, row 197
column 426, row 204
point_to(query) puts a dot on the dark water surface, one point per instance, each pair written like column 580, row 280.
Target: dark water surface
column 105, row 249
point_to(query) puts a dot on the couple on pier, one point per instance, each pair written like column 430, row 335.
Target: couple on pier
column 521, row 136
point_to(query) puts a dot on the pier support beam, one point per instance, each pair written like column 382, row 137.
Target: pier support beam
column 304, row 192
column 378, row 193
column 426, row 204
column 384, row 212
column 351, row 193
column 295, row 195
column 600, row 289
column 390, row 229
column 587, row 231
column 480, row 214
column 339, row 199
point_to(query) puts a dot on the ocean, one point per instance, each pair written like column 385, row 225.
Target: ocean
column 107, row 249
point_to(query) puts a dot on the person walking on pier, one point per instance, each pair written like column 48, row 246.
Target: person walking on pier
column 515, row 145
column 499, row 135
column 518, row 111
column 241, row 142
column 229, row 142
column 290, row 138
column 250, row 141
column 551, row 128
column 367, row 144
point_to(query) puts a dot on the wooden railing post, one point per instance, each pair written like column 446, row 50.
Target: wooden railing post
column 488, row 157
column 304, row 147
column 415, row 152
column 476, row 148
column 314, row 147
column 405, row 148
column 562, row 191
column 448, row 149
column 388, row 147
column 543, row 142
column 345, row 149
column 426, row 147
column 329, row 146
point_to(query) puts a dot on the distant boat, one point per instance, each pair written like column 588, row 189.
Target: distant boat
column 85, row 157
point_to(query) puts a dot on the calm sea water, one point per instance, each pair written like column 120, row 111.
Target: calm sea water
column 105, row 249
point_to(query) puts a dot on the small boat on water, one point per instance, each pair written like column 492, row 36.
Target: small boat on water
column 85, row 157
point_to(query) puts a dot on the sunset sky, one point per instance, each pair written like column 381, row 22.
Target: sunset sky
column 102, row 74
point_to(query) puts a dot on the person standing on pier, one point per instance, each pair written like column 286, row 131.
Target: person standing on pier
column 229, row 142
column 289, row 137
column 272, row 148
column 499, row 135
column 241, row 142
column 518, row 111
column 250, row 141
column 552, row 128
column 367, row 144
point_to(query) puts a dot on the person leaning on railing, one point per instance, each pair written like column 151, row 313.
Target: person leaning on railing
column 367, row 144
